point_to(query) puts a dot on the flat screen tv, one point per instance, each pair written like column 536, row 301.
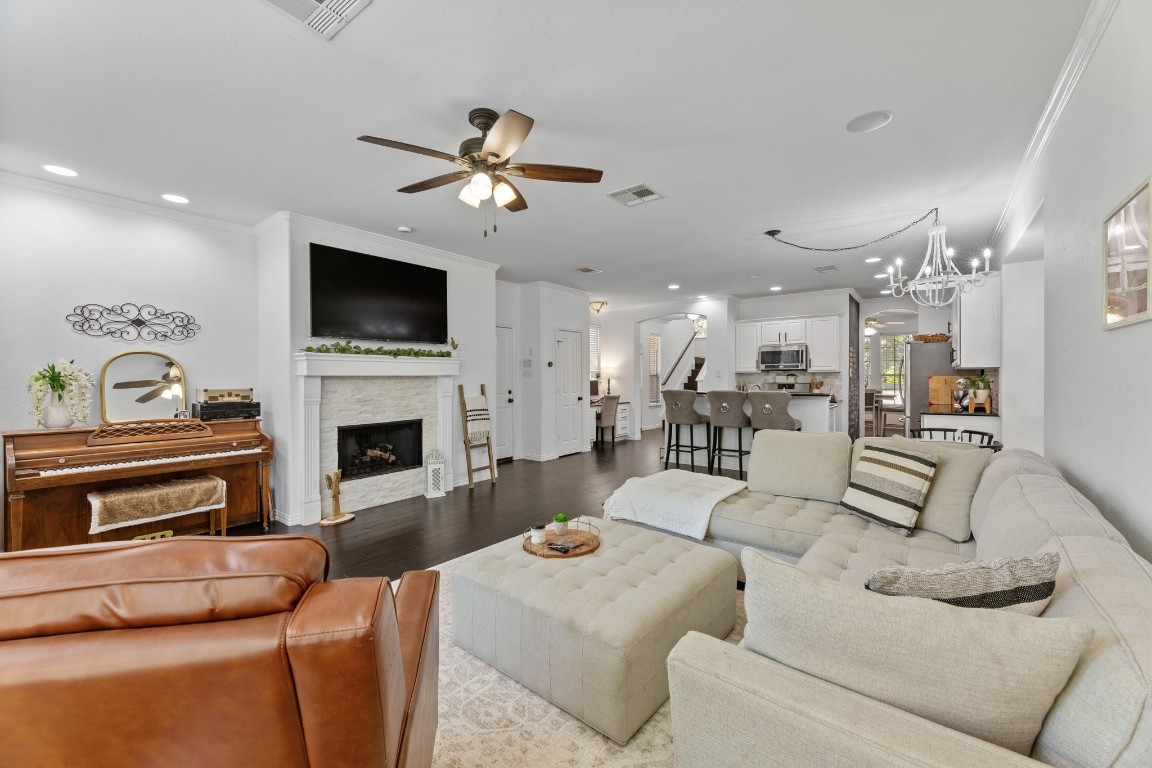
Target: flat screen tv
column 358, row 296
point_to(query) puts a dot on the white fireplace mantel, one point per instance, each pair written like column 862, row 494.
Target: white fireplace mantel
column 312, row 366
column 327, row 364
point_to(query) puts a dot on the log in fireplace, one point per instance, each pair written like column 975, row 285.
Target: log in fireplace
column 374, row 449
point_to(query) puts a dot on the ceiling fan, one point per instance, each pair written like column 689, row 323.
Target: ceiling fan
column 485, row 161
column 168, row 385
column 872, row 325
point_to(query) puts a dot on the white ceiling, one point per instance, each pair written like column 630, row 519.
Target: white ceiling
column 734, row 111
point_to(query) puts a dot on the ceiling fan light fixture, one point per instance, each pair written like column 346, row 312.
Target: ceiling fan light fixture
column 467, row 196
column 481, row 186
column 869, row 330
column 503, row 193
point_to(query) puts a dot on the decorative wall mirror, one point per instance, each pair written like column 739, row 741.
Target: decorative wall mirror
column 137, row 386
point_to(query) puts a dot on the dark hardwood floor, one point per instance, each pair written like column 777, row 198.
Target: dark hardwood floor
column 416, row 533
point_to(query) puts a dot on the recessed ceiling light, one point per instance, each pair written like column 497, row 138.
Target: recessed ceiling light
column 869, row 122
column 175, row 199
column 775, row 288
column 872, row 260
column 882, row 274
column 885, row 293
column 754, row 277
column 588, row 270
column 673, row 287
column 60, row 170
column 403, row 229
column 701, row 297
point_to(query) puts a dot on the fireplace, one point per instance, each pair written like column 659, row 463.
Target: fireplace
column 363, row 450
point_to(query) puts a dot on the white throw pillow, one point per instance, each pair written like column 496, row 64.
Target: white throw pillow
column 990, row 674
column 948, row 508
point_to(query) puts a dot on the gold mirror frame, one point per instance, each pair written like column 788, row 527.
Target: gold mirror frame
column 104, row 390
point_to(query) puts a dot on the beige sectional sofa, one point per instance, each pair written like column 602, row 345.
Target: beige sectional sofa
column 734, row 707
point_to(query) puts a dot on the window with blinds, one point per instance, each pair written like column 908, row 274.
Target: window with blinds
column 654, row 370
column 593, row 351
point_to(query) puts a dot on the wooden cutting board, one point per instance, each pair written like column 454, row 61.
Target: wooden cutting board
column 940, row 389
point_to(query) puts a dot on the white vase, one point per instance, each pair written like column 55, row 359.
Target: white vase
column 560, row 528
column 55, row 414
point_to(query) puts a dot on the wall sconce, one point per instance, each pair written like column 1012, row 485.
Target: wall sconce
column 597, row 305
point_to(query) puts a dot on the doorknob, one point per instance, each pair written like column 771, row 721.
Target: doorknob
column 509, row 399
column 579, row 398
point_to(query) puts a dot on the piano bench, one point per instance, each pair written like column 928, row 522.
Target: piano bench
column 150, row 502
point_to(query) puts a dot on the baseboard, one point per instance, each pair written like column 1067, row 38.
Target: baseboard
column 540, row 456
column 478, row 476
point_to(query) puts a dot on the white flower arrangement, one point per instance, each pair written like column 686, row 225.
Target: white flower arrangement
column 73, row 383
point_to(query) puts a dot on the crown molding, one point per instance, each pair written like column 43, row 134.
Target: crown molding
column 1092, row 29
column 311, row 221
column 556, row 287
column 121, row 203
column 667, row 302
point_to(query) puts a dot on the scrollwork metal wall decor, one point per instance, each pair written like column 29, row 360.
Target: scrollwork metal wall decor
column 133, row 322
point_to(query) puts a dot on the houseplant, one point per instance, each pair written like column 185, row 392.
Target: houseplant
column 560, row 523
column 979, row 387
column 61, row 393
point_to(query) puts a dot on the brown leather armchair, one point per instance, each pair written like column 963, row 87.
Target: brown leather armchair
column 206, row 651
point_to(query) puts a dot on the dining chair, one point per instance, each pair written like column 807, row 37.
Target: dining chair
column 976, row 436
column 933, row 433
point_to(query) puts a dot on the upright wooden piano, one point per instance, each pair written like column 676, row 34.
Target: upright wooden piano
column 50, row 472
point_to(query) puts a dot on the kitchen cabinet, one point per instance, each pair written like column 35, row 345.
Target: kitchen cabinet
column 975, row 326
column 747, row 346
column 783, row 332
column 823, row 335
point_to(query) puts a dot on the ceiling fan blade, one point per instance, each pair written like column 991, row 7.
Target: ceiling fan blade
column 149, row 396
column 516, row 204
column 506, row 136
column 439, row 181
column 413, row 148
column 555, row 173
column 137, row 384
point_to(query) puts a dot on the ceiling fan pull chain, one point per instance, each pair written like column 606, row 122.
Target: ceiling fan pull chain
column 494, row 209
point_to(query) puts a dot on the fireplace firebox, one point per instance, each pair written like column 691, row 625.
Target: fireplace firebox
column 375, row 449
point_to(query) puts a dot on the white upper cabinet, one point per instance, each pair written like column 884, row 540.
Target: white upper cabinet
column 823, row 335
column 783, row 332
column 976, row 327
column 747, row 346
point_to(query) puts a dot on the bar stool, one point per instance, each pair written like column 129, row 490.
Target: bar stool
column 678, row 410
column 770, row 411
column 726, row 409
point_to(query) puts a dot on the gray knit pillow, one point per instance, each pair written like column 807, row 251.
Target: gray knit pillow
column 1018, row 584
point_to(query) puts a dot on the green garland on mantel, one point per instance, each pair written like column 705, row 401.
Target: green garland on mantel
column 339, row 348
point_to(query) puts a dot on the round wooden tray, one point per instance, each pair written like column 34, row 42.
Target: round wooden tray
column 584, row 533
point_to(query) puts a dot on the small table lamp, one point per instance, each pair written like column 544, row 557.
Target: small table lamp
column 608, row 374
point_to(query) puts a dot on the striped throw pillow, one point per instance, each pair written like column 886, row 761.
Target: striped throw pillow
column 1017, row 584
column 888, row 486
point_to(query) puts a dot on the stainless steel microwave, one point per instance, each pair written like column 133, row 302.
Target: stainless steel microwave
column 783, row 357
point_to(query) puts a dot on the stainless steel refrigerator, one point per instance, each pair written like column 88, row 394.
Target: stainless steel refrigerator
column 922, row 360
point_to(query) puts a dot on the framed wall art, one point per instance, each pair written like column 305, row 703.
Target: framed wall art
column 1126, row 290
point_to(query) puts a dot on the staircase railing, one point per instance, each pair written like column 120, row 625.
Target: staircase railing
column 676, row 364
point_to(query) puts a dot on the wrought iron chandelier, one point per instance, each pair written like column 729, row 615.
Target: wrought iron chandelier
column 939, row 280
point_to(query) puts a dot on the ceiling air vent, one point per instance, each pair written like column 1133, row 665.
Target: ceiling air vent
column 588, row 270
column 326, row 17
column 827, row 268
column 641, row 193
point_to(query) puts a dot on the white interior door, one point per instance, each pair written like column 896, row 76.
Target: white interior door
column 502, row 398
column 569, row 393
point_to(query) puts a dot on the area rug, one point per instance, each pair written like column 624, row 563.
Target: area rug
column 488, row 719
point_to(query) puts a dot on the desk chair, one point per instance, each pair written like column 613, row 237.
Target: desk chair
column 607, row 417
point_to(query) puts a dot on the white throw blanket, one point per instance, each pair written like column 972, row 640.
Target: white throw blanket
column 673, row 500
column 476, row 409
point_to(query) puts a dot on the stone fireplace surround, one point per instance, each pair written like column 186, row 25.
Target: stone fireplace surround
column 348, row 389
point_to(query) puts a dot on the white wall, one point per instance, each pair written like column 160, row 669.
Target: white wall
column 1098, row 424
column 1022, row 349
column 471, row 321
column 60, row 248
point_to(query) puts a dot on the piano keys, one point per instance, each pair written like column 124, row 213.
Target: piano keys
column 50, row 472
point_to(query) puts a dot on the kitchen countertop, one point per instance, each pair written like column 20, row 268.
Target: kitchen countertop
column 948, row 410
column 794, row 394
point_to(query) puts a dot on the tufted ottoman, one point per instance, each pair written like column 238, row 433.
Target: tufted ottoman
column 591, row 634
